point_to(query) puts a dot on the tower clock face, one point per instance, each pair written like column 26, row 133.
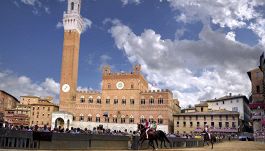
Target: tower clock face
column 65, row 88
column 119, row 85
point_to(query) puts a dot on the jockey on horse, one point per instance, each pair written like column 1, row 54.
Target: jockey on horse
column 206, row 130
column 208, row 137
column 150, row 127
column 151, row 134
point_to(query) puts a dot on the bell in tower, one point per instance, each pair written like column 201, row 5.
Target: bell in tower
column 74, row 6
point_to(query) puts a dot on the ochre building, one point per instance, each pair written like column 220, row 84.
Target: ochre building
column 195, row 119
column 39, row 110
column 124, row 100
column 31, row 111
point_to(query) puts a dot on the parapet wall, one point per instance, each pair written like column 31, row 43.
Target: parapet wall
column 21, row 140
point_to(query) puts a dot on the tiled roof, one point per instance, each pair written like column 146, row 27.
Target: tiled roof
column 202, row 104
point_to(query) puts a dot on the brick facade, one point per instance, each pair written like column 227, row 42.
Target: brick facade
column 7, row 102
column 257, row 104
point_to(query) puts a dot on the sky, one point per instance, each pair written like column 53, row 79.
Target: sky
column 199, row 49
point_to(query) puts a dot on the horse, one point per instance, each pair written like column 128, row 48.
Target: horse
column 207, row 138
column 152, row 136
column 162, row 137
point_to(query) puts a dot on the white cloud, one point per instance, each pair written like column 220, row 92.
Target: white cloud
column 59, row 25
column 37, row 6
column 211, row 67
column 231, row 36
column 16, row 3
column 84, row 89
column 104, row 59
column 179, row 33
column 87, row 24
column 126, row 2
column 47, row 10
column 226, row 13
column 23, row 85
column 31, row 2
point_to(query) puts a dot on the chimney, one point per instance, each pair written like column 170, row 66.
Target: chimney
column 230, row 94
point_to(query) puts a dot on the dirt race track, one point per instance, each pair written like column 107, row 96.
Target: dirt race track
column 225, row 146
column 229, row 146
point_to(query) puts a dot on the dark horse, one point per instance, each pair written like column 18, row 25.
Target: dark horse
column 152, row 136
column 207, row 138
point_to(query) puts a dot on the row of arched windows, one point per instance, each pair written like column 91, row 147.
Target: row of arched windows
column 123, row 100
column 152, row 101
column 90, row 100
column 121, row 119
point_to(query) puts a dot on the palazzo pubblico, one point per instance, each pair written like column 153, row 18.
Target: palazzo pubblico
column 124, row 100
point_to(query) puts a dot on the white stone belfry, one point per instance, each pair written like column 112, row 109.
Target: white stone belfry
column 72, row 20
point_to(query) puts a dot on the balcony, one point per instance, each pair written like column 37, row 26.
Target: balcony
column 257, row 105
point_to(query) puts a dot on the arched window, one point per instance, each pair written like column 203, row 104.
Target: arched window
column 81, row 117
column 123, row 101
column 131, row 119
column 115, row 119
column 160, row 119
column 97, row 118
column 142, row 101
column 89, row 119
column 82, row 99
column 142, row 119
column 90, row 99
column 131, row 101
column 108, row 100
column 98, row 100
column 160, row 100
column 116, row 101
column 72, row 5
column 122, row 119
column 151, row 100
column 151, row 119
column 132, row 86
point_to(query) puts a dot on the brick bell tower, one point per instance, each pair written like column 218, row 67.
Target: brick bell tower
column 73, row 26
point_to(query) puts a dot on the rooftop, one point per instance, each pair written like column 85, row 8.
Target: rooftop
column 9, row 95
column 202, row 104
column 229, row 97
column 215, row 112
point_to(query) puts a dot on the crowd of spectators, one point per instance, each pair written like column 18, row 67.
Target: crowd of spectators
column 96, row 130
column 260, row 133
column 102, row 131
